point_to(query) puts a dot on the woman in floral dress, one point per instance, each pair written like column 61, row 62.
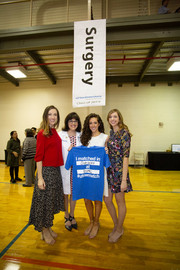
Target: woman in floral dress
column 118, row 145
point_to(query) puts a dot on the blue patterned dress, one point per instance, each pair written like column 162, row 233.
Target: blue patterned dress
column 118, row 147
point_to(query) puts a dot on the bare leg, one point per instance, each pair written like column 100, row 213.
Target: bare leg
column 90, row 210
column 66, row 214
column 47, row 237
column 95, row 228
column 120, row 199
column 121, row 203
column 71, row 216
column 112, row 210
column 72, row 207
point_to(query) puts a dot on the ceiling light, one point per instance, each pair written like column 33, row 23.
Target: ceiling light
column 174, row 63
column 16, row 71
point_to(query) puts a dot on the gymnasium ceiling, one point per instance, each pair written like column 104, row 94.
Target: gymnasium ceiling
column 137, row 48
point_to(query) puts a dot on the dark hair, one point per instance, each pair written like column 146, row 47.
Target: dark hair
column 11, row 133
column 29, row 132
column 163, row 2
column 70, row 116
column 33, row 128
column 86, row 132
column 44, row 124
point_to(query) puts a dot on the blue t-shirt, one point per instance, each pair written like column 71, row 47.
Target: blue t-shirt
column 88, row 171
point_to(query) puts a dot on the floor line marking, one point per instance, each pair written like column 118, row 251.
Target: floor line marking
column 9, row 183
column 154, row 191
column 157, row 191
column 13, row 241
column 51, row 264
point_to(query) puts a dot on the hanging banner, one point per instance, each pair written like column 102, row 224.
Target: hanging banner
column 89, row 70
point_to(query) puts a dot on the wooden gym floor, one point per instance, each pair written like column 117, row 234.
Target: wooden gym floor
column 151, row 239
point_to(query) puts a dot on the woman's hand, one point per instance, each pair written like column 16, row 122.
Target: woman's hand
column 41, row 184
column 15, row 154
column 123, row 186
column 106, row 149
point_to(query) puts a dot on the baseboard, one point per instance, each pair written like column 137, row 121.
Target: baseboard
column 138, row 165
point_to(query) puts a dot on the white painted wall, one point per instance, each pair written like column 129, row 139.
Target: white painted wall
column 142, row 107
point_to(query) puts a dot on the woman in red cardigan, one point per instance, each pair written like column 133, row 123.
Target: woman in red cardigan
column 48, row 197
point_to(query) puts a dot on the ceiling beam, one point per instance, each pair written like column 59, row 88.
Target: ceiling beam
column 154, row 51
column 152, row 28
column 38, row 60
column 146, row 79
column 8, row 77
column 143, row 29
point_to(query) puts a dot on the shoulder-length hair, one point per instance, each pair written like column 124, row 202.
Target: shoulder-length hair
column 86, row 132
column 29, row 132
column 44, row 124
column 70, row 116
column 121, row 122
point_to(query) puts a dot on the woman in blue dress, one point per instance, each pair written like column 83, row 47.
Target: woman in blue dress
column 118, row 145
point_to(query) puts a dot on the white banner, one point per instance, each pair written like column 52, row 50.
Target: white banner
column 89, row 71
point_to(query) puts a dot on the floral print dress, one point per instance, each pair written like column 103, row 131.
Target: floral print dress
column 118, row 147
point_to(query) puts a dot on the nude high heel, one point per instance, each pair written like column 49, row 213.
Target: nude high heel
column 94, row 230
column 89, row 228
column 49, row 240
column 115, row 237
column 42, row 236
column 53, row 234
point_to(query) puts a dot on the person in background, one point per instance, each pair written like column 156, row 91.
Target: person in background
column 118, row 144
column 34, row 130
column 35, row 136
column 28, row 154
column 177, row 10
column 13, row 156
column 164, row 8
column 70, row 136
column 93, row 135
column 48, row 197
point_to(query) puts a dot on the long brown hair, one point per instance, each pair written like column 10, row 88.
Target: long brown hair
column 44, row 124
column 121, row 122
column 86, row 132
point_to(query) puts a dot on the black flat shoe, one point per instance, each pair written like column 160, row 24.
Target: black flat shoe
column 68, row 227
column 74, row 226
column 18, row 179
column 13, row 181
column 25, row 185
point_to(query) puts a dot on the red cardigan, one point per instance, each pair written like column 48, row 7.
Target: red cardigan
column 49, row 149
